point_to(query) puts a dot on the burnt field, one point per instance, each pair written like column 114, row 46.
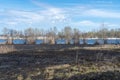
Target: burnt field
column 61, row 62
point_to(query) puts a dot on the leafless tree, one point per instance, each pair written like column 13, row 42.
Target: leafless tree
column 76, row 35
column 30, row 35
column 51, row 34
column 68, row 34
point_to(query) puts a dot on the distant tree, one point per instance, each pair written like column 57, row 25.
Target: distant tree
column 104, row 34
column 84, row 36
column 6, row 33
column 30, row 35
column 76, row 35
column 61, row 35
column 9, row 33
column 118, row 32
column 68, row 34
column 52, row 34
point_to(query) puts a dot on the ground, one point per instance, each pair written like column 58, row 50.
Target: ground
column 69, row 63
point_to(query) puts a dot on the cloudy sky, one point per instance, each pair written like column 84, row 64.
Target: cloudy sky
column 82, row 14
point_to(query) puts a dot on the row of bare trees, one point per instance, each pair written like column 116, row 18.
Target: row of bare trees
column 52, row 34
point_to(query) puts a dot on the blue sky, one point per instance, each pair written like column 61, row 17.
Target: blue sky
column 85, row 15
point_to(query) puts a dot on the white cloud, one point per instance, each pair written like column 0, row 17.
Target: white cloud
column 47, row 15
column 52, row 16
column 88, row 23
column 26, row 15
column 11, row 23
column 111, row 25
column 40, row 4
column 101, row 13
column 82, row 11
column 52, row 13
column 57, row 14
column 16, row 17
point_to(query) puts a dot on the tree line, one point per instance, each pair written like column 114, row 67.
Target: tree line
column 52, row 34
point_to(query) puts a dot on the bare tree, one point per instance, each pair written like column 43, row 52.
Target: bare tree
column 76, row 35
column 52, row 35
column 68, row 34
column 5, row 33
column 60, row 35
column 30, row 35
column 9, row 34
